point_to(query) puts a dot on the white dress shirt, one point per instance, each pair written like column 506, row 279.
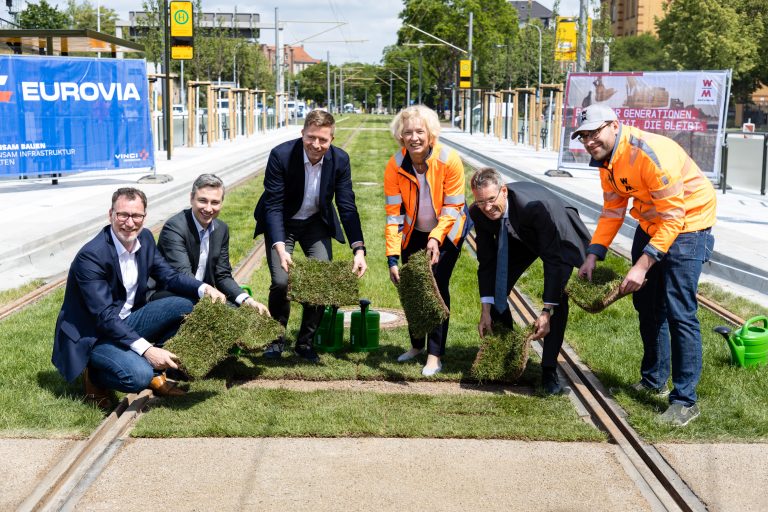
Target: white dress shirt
column 310, row 205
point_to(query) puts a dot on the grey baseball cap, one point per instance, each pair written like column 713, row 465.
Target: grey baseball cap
column 592, row 117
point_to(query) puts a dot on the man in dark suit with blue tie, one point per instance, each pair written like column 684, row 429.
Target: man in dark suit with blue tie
column 302, row 179
column 105, row 328
column 516, row 223
column 196, row 242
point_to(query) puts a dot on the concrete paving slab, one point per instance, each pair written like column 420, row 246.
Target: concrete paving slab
column 277, row 474
column 727, row 477
column 23, row 462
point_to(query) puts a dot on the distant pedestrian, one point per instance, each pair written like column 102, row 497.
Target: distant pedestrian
column 424, row 188
column 303, row 179
column 516, row 224
column 106, row 328
column 675, row 204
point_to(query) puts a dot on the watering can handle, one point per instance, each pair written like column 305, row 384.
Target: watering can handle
column 755, row 319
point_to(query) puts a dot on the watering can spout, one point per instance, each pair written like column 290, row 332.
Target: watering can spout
column 723, row 331
column 734, row 344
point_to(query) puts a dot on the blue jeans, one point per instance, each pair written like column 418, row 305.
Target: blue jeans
column 116, row 366
column 667, row 308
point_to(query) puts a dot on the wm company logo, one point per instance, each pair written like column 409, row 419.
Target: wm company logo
column 5, row 96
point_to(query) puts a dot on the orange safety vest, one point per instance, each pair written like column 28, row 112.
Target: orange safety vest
column 445, row 176
column 670, row 193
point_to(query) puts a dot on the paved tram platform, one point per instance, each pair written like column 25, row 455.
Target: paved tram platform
column 46, row 224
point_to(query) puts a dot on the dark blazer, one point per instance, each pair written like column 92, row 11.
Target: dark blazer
column 179, row 243
column 547, row 228
column 284, row 193
column 95, row 295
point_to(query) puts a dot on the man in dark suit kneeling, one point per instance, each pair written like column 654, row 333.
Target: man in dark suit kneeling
column 516, row 223
column 302, row 180
column 106, row 329
column 195, row 242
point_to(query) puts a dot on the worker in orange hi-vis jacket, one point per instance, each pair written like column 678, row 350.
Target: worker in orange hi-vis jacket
column 675, row 205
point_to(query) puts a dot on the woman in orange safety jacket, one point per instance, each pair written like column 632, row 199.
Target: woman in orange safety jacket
column 424, row 188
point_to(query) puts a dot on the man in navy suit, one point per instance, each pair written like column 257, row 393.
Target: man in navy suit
column 105, row 328
column 301, row 180
column 196, row 242
column 528, row 221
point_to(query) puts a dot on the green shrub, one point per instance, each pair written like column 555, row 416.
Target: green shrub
column 423, row 306
column 323, row 283
column 594, row 296
column 213, row 328
column 503, row 354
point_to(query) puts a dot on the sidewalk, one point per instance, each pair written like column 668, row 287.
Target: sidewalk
column 45, row 224
column 740, row 259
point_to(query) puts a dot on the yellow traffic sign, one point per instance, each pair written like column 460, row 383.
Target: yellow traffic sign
column 181, row 19
column 182, row 52
column 465, row 68
column 465, row 84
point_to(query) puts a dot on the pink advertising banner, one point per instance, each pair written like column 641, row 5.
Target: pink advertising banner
column 686, row 106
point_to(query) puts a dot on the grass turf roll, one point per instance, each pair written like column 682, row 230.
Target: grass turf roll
column 323, row 283
column 596, row 295
column 503, row 354
column 213, row 328
column 423, row 306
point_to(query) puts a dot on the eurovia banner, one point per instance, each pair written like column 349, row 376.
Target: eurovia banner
column 70, row 114
column 687, row 106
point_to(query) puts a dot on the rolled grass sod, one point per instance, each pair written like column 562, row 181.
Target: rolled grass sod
column 212, row 329
column 323, row 283
column 423, row 306
column 503, row 354
column 599, row 293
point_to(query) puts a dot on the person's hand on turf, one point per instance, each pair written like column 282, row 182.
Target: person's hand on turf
column 285, row 258
column 258, row 306
column 161, row 359
column 394, row 275
column 214, row 294
column 433, row 251
column 585, row 271
column 485, row 325
column 541, row 327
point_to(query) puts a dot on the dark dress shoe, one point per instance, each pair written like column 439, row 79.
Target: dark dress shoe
column 307, row 353
column 95, row 395
column 550, row 381
column 160, row 386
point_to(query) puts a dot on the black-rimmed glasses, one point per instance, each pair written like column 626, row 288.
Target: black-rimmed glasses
column 485, row 202
column 135, row 217
column 585, row 137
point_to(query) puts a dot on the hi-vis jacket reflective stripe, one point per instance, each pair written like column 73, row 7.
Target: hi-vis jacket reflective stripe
column 445, row 176
column 670, row 193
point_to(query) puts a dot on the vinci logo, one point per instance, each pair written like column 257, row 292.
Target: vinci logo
column 5, row 96
column 706, row 91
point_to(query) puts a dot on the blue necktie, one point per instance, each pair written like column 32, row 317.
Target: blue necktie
column 502, row 262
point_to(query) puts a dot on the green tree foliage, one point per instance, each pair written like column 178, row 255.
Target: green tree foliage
column 313, row 82
column 43, row 16
column 83, row 16
column 637, row 53
column 714, row 34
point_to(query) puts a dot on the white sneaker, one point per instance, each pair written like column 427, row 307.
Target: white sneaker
column 429, row 372
column 407, row 356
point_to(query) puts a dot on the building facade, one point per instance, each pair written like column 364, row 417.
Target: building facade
column 634, row 17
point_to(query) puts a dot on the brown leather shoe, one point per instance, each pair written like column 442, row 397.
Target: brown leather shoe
column 95, row 395
column 160, row 386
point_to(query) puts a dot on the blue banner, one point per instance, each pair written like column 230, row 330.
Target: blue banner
column 72, row 114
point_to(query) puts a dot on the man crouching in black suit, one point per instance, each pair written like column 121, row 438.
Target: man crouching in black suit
column 515, row 224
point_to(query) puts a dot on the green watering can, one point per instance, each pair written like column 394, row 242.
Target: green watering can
column 364, row 328
column 329, row 336
column 749, row 344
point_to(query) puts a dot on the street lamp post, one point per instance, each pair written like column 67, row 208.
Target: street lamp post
column 539, row 83
column 408, row 87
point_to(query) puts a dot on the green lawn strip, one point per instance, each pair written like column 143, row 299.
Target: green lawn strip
column 8, row 296
column 210, row 410
column 733, row 401
column 34, row 399
column 369, row 151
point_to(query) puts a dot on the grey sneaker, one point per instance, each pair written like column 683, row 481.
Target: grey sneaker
column 274, row 350
column 678, row 415
column 639, row 387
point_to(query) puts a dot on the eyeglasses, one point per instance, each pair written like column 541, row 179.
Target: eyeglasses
column 585, row 137
column 135, row 217
column 485, row 202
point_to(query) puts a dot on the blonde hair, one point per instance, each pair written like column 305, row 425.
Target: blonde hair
column 427, row 116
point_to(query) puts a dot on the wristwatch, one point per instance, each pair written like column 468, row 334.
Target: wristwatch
column 547, row 310
column 358, row 248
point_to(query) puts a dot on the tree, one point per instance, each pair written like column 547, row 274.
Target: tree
column 713, row 34
column 313, row 82
column 637, row 53
column 84, row 16
column 43, row 16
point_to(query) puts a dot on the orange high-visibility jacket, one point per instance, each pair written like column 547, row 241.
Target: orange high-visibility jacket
column 670, row 193
column 445, row 175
